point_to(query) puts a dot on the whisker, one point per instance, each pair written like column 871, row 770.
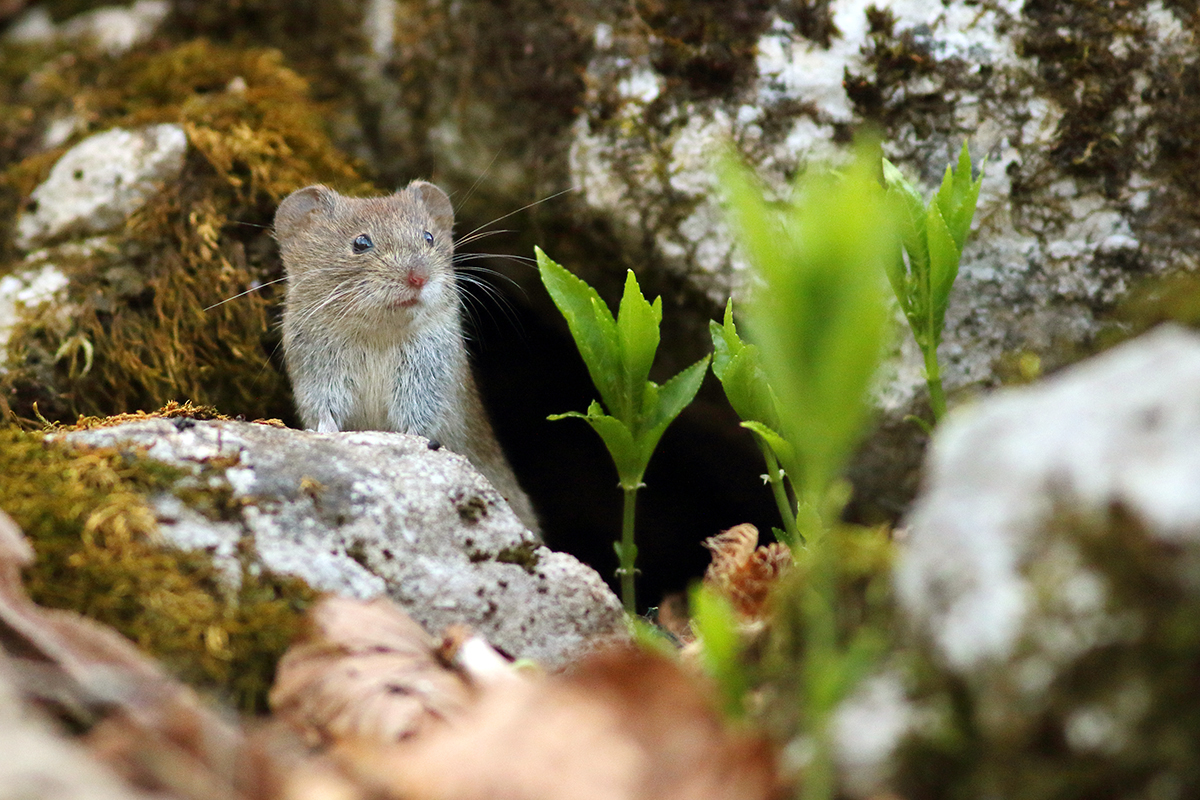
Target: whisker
column 468, row 274
column 472, row 304
column 476, row 236
column 479, row 180
column 248, row 291
column 519, row 210
column 522, row 260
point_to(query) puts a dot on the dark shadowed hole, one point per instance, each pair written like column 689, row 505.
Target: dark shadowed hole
column 705, row 475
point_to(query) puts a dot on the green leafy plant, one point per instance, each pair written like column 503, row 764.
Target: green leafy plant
column 819, row 321
column 738, row 365
column 932, row 236
column 715, row 624
column 618, row 352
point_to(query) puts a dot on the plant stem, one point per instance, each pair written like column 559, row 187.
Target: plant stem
column 628, row 553
column 933, row 379
column 775, row 478
column 823, row 661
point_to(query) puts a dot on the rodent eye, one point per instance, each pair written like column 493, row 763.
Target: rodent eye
column 361, row 244
column 428, row 238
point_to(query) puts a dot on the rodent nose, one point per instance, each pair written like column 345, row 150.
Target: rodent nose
column 416, row 279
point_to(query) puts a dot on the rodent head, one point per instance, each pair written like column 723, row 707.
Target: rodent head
column 362, row 262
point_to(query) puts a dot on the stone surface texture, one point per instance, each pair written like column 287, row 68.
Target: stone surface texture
column 373, row 513
column 99, row 182
column 1068, row 214
column 1083, row 113
column 1050, row 568
column 1122, row 429
column 114, row 29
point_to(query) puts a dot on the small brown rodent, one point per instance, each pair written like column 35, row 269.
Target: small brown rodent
column 372, row 330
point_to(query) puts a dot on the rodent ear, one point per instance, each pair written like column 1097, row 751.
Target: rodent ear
column 436, row 202
column 297, row 208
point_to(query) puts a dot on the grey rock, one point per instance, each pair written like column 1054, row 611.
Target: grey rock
column 1067, row 219
column 1052, row 573
column 1122, row 429
column 114, row 29
column 26, row 290
column 372, row 513
column 1050, row 242
column 99, row 182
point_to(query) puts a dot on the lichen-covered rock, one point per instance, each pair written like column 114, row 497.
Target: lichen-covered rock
column 29, row 288
column 114, row 29
column 374, row 513
column 1065, row 217
column 1081, row 111
column 1051, row 567
column 99, row 182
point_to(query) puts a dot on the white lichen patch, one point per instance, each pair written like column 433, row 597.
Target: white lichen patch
column 26, row 291
column 1050, row 245
column 99, row 182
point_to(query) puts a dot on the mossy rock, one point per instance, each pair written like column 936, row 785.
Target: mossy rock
column 86, row 514
column 1119, row 720
column 148, row 323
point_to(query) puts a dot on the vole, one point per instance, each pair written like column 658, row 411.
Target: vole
column 372, row 327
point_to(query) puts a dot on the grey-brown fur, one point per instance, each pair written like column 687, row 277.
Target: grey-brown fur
column 359, row 359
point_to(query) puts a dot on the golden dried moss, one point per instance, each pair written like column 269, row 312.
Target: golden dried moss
column 148, row 324
column 98, row 552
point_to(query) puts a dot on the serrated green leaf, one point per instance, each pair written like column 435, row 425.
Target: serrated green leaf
column 727, row 345
column 910, row 281
column 591, row 324
column 637, row 328
column 821, row 321
column 739, row 368
column 943, row 268
column 618, row 440
column 957, row 197
column 669, row 400
column 910, row 217
column 626, row 454
column 783, row 537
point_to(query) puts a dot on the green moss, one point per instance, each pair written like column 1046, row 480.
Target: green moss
column 319, row 39
column 149, row 314
column 1080, row 69
column 991, row 738
column 98, row 553
column 880, row 94
column 862, row 607
column 525, row 555
column 1173, row 297
column 707, row 46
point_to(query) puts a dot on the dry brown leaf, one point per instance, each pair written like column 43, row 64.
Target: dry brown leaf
column 742, row 571
column 364, row 671
column 621, row 725
column 150, row 729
